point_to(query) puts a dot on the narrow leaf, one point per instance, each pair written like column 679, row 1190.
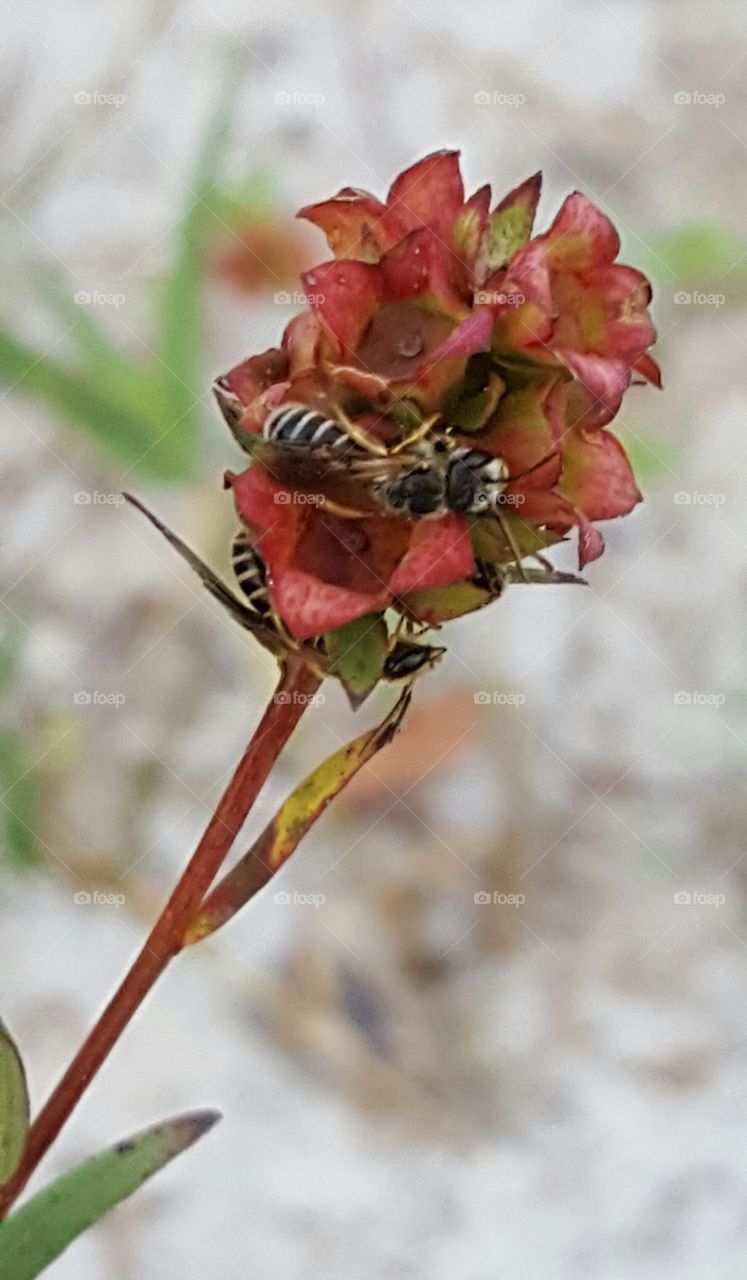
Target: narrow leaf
column 38, row 1232
column 182, row 291
column 284, row 833
column 19, row 808
column 145, row 446
column 14, row 1106
column 357, row 653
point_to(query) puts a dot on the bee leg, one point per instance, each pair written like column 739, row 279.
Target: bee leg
column 511, row 543
column 417, row 435
column 360, row 437
column 338, row 509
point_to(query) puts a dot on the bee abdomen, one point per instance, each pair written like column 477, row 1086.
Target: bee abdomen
column 251, row 574
column 407, row 660
column 421, row 492
column 474, row 481
column 296, row 424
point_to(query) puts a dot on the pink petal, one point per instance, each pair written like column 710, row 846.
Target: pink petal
column 590, row 541
column 423, row 266
column 649, row 370
column 428, row 194
column 301, row 341
column 597, row 477
column 521, row 299
column 473, row 334
column 440, row 553
column 606, row 381
column 581, row 237
column 309, row 606
column 344, row 295
column 353, row 222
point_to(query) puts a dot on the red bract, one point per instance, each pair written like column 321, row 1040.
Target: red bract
column 435, row 307
column 326, row 571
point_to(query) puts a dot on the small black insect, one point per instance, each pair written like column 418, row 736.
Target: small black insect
column 251, row 575
column 407, row 660
column 488, row 577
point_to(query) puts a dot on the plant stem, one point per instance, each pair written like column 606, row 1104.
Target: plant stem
column 291, row 698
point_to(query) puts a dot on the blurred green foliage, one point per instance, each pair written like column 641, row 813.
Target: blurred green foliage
column 146, row 415
column 695, row 252
column 19, row 845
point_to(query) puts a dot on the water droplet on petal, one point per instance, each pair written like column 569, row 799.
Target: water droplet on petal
column 410, row 346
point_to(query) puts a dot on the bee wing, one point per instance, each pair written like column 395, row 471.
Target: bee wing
column 238, row 611
column 347, row 477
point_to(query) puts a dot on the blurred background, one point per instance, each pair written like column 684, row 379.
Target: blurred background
column 418, row 1082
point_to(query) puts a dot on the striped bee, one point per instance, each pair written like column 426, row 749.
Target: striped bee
column 422, row 475
column 464, row 481
column 297, row 426
column 251, row 575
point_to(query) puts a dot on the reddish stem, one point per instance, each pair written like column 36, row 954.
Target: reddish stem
column 296, row 688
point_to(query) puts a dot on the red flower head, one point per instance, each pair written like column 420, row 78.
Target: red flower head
column 444, row 321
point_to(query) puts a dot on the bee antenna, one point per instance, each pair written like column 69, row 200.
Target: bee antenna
column 553, row 453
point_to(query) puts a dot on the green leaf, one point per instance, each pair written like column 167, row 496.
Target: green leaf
column 254, row 196
column 181, row 306
column 19, row 807
column 14, row 1106
column 144, row 446
column 442, row 604
column 40, row 1230
column 651, row 457
column 696, row 251
column 357, row 653
column 284, row 833
column 10, row 651
column 489, row 541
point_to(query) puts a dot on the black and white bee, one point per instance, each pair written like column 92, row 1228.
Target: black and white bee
column 464, row 481
column 251, row 575
column 298, row 427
